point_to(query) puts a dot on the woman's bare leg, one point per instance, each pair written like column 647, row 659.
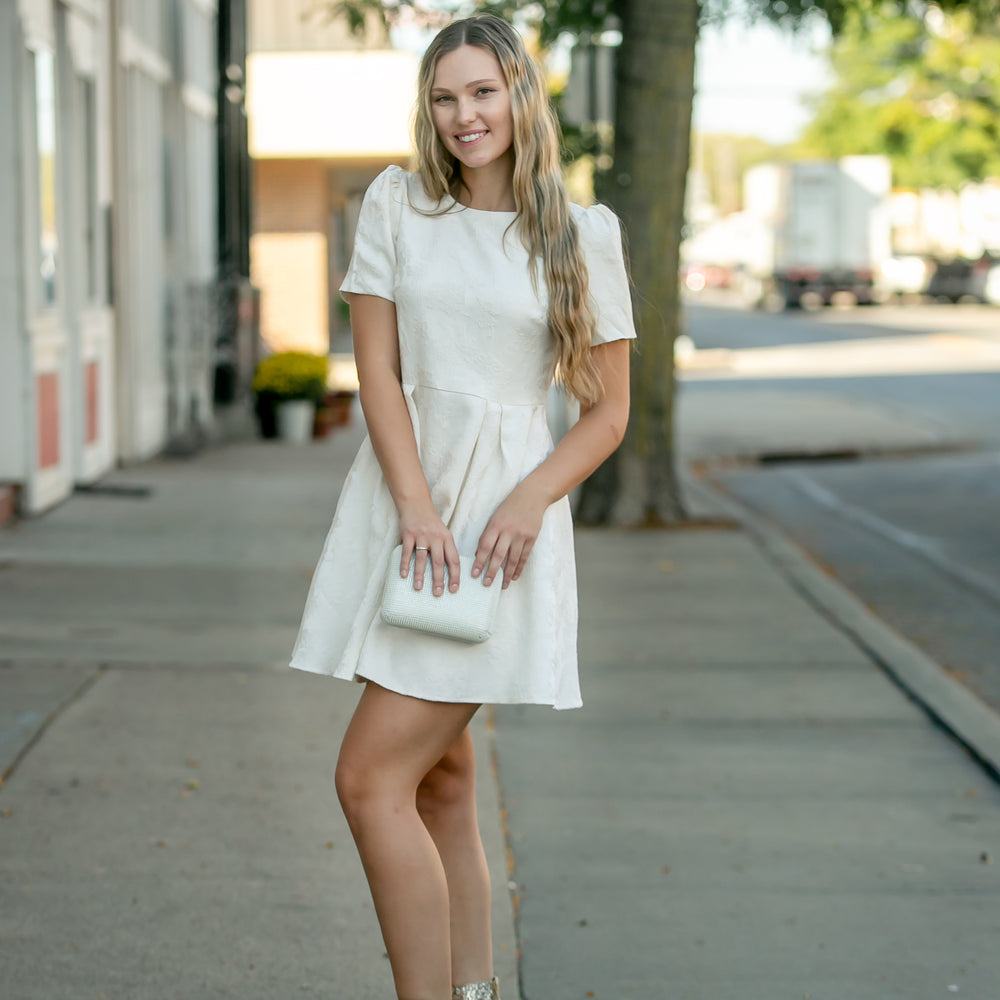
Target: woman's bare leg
column 446, row 801
column 390, row 745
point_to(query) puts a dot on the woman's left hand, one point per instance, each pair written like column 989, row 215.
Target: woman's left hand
column 509, row 536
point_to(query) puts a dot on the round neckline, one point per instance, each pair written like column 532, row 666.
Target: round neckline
column 455, row 203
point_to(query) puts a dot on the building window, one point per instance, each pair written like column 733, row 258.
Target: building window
column 45, row 132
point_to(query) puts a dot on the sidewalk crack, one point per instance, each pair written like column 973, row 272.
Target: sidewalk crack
column 80, row 690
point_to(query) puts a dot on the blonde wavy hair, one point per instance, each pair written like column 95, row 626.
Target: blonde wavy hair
column 546, row 226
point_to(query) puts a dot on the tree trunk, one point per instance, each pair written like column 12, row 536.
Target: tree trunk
column 654, row 92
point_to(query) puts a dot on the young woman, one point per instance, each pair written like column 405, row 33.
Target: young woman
column 473, row 281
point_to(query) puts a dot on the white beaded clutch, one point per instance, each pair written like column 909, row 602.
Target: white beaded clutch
column 466, row 615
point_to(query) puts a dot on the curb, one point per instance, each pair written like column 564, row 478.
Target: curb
column 950, row 704
column 506, row 914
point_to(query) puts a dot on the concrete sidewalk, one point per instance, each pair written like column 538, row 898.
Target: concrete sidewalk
column 746, row 807
column 168, row 827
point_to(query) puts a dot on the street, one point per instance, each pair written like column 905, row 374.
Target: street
column 903, row 508
column 746, row 808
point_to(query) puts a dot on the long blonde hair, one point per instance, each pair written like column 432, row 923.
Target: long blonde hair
column 546, row 226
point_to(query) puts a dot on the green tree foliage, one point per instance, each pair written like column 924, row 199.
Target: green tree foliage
column 919, row 85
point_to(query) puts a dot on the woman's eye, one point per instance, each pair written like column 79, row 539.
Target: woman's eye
column 441, row 98
column 484, row 90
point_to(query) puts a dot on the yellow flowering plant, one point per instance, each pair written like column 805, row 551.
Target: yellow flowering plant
column 292, row 375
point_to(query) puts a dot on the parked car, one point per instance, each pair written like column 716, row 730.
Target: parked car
column 991, row 285
column 698, row 277
column 943, row 279
column 961, row 279
column 985, row 280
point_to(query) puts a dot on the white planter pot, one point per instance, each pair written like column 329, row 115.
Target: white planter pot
column 295, row 420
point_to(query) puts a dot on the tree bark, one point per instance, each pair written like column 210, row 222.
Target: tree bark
column 654, row 79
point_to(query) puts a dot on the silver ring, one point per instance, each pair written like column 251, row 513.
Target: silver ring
column 420, row 548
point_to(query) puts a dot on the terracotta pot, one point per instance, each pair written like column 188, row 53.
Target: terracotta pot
column 324, row 422
column 340, row 404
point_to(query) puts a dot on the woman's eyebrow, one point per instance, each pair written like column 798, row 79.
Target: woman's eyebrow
column 473, row 83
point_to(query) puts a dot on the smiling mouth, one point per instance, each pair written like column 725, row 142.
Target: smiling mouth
column 471, row 137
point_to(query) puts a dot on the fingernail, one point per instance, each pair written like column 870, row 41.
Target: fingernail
column 475, row 571
column 453, row 587
column 487, row 580
column 438, row 591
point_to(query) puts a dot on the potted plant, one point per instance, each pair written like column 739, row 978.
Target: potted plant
column 333, row 412
column 288, row 387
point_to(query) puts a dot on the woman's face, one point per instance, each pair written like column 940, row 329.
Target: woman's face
column 471, row 106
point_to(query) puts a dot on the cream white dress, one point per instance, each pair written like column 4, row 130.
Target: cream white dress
column 476, row 365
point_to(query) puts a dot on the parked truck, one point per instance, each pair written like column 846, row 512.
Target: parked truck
column 820, row 231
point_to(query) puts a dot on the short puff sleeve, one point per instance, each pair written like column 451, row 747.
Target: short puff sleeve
column 610, row 294
column 372, row 270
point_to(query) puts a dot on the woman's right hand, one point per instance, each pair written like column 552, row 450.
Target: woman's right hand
column 424, row 534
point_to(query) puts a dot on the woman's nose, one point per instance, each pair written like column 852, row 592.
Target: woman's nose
column 466, row 111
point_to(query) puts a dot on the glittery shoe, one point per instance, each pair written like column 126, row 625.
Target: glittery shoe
column 490, row 990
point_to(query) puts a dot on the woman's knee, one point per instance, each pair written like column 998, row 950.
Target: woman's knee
column 449, row 788
column 354, row 786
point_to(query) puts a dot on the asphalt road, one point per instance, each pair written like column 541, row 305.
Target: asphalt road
column 914, row 532
column 716, row 320
column 936, row 364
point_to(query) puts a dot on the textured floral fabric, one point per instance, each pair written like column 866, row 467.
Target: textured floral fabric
column 476, row 365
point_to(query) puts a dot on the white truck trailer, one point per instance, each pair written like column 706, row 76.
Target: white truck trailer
column 821, row 229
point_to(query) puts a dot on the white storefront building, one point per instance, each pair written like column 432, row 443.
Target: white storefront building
column 108, row 257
